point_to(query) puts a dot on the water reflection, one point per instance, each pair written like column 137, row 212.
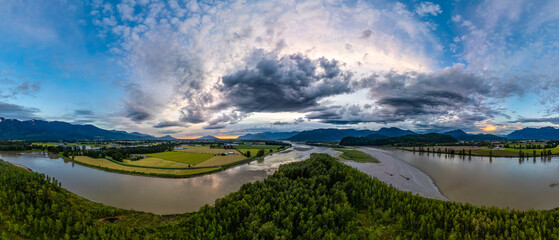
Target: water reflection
column 150, row 194
column 492, row 181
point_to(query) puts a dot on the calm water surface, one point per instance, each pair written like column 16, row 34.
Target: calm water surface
column 150, row 194
column 504, row 182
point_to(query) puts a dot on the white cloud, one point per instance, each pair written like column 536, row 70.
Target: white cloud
column 428, row 8
column 179, row 57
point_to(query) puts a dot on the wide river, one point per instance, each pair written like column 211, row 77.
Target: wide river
column 503, row 182
column 152, row 194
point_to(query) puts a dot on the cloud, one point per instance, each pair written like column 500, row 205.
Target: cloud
column 29, row 88
column 83, row 112
column 201, row 61
column 289, row 83
column 428, row 8
column 166, row 124
column 8, row 110
column 553, row 120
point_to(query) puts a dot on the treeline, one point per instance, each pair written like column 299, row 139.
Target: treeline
column 117, row 154
column 14, row 145
column 407, row 140
column 319, row 198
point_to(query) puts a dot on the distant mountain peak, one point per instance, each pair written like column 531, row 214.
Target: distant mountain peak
column 14, row 129
column 208, row 137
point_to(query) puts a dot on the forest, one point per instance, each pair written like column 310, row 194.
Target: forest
column 407, row 140
column 319, row 198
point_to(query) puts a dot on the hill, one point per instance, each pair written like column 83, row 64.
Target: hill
column 14, row 129
column 208, row 137
column 394, row 132
column 330, row 134
column 268, row 136
column 257, row 136
column 428, row 138
column 544, row 133
column 463, row 136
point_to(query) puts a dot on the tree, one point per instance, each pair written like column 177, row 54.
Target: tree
column 247, row 154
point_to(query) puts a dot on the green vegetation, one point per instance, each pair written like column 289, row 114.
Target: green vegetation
column 182, row 157
column 356, row 155
column 319, row 198
column 408, row 140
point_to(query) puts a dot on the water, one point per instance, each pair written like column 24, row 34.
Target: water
column 151, row 194
column 503, row 182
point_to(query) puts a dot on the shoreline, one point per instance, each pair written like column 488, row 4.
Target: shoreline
column 398, row 173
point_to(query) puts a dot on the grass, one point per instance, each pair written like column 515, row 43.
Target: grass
column 265, row 147
column 204, row 150
column 221, row 160
column 182, row 157
column 484, row 151
column 356, row 155
column 255, row 148
column 111, row 166
column 156, row 162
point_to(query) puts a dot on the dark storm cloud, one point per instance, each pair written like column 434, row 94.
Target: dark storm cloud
column 214, row 127
column 447, row 98
column 290, row 83
column 166, row 124
column 137, row 113
column 554, row 120
column 366, row 34
column 83, row 112
column 8, row 110
column 139, row 109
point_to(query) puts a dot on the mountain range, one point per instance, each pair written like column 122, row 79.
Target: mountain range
column 268, row 136
column 59, row 131
column 463, row 136
column 544, row 133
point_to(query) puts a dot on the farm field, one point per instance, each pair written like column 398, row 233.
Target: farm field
column 255, row 148
column 204, row 150
column 484, row 151
column 106, row 164
column 182, row 157
column 156, row 162
column 221, row 160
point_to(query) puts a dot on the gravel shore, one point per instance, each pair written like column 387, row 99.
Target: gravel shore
column 397, row 173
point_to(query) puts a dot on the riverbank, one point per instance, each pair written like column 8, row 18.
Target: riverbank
column 163, row 172
column 397, row 173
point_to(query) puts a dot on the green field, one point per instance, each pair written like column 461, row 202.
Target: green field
column 182, row 157
column 356, row 155
column 108, row 165
column 156, row 162
column 255, row 148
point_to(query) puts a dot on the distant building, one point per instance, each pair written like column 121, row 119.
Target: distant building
column 178, row 148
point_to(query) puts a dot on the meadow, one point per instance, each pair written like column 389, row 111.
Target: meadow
column 182, row 157
column 356, row 155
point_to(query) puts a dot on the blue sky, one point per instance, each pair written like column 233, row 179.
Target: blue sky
column 189, row 68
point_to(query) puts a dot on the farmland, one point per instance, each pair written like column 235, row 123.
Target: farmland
column 182, row 157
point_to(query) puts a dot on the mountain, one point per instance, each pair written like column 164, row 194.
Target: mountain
column 463, row 136
column 268, row 136
column 280, row 135
column 394, row 132
column 209, row 137
column 329, row 134
column 417, row 139
column 544, row 133
column 257, row 136
column 14, row 129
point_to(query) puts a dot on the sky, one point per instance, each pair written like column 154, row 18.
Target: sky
column 227, row 68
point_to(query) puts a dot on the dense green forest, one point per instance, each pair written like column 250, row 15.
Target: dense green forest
column 319, row 198
column 408, row 140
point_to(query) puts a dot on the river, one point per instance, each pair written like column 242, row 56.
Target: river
column 152, row 194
